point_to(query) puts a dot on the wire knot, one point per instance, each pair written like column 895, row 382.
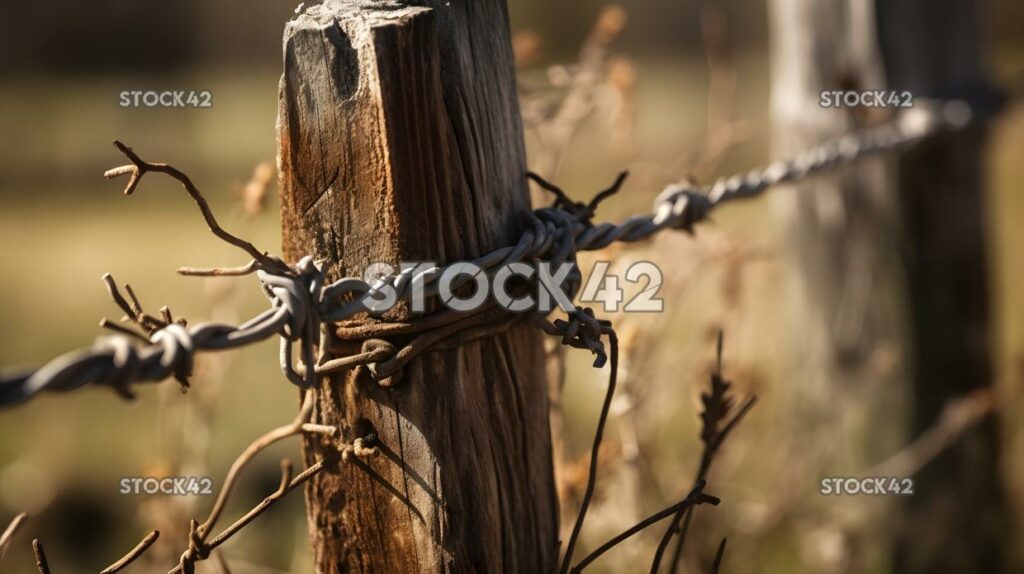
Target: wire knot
column 125, row 362
column 381, row 355
column 681, row 206
column 364, row 448
column 298, row 295
column 583, row 331
column 179, row 352
column 198, row 549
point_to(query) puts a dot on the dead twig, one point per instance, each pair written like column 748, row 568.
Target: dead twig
column 956, row 417
column 10, row 531
column 41, row 565
column 718, row 406
column 718, row 557
column 139, row 168
column 133, row 554
column 200, row 549
column 695, row 497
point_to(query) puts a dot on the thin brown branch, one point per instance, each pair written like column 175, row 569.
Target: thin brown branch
column 718, row 557
column 133, row 554
column 246, row 269
column 257, row 446
column 718, row 404
column 139, row 168
column 956, row 417
column 695, row 497
column 41, row 565
column 199, row 549
column 10, row 531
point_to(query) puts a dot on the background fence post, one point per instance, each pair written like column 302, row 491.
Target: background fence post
column 924, row 208
column 959, row 518
column 400, row 139
column 850, row 386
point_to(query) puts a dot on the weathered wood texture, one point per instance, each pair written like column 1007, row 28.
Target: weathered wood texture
column 400, row 140
column 958, row 519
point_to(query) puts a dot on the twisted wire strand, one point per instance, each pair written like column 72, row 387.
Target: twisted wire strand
column 301, row 301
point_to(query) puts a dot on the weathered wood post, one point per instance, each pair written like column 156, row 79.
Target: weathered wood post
column 400, row 139
column 849, row 333
column 958, row 519
column 914, row 217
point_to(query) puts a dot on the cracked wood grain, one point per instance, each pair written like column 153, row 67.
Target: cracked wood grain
column 400, row 139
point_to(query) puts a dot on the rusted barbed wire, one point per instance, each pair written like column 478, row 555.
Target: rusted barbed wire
column 200, row 543
column 301, row 300
column 42, row 565
column 149, row 348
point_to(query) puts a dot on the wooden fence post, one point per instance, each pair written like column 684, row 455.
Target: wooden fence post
column 958, row 519
column 848, row 337
column 400, row 139
column 921, row 213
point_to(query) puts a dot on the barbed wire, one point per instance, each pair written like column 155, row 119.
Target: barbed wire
column 151, row 348
column 301, row 301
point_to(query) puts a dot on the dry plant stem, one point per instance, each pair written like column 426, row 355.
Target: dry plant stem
column 956, row 417
column 41, row 565
column 140, row 168
column 718, row 557
column 598, row 436
column 186, row 567
column 133, row 554
column 695, row 497
column 12, row 529
column 246, row 269
column 298, row 426
column 677, row 553
column 717, row 405
column 199, row 547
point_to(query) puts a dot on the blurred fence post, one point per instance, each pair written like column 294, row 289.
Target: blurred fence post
column 399, row 140
column 848, row 332
column 892, row 253
column 958, row 518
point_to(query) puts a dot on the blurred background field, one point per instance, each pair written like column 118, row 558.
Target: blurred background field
column 62, row 226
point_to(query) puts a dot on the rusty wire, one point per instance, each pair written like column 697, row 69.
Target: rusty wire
column 148, row 348
column 200, row 542
column 300, row 300
column 42, row 565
